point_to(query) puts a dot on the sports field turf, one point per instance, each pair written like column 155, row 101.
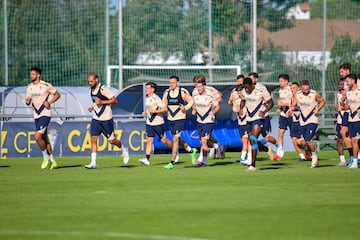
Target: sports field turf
column 282, row 200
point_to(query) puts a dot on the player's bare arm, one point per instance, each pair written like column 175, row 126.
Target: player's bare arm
column 321, row 102
column 189, row 100
column 269, row 104
column 52, row 100
column 216, row 109
column 28, row 101
column 112, row 100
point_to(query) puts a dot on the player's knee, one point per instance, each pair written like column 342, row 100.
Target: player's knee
column 203, row 142
column 343, row 131
column 253, row 142
column 38, row 136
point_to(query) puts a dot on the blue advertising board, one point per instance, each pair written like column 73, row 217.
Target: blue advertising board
column 70, row 139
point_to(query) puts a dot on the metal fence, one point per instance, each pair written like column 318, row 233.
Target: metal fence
column 69, row 39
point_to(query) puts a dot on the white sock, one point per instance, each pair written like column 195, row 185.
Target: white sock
column 301, row 155
column 342, row 158
column 249, row 156
column 243, row 155
column 359, row 155
column 216, row 146
column 281, row 152
column 51, row 158
column 93, row 158
column 313, row 154
column 45, row 154
column 355, row 161
column 200, row 155
column 188, row 148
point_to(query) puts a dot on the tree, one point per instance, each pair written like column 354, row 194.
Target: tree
column 272, row 13
column 344, row 50
column 344, row 9
column 64, row 38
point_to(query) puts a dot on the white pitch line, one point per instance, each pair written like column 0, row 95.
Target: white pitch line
column 94, row 234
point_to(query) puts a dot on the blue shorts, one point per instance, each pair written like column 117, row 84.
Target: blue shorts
column 295, row 130
column 205, row 129
column 259, row 122
column 354, row 129
column 285, row 122
column 177, row 126
column 345, row 119
column 266, row 130
column 244, row 130
column 42, row 124
column 159, row 130
column 308, row 131
column 105, row 127
column 337, row 131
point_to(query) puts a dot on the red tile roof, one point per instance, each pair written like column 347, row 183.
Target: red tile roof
column 306, row 35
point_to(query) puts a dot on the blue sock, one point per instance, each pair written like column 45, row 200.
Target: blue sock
column 262, row 141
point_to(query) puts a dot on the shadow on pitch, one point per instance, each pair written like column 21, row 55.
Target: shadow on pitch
column 277, row 164
column 212, row 165
column 270, row 168
column 128, row 166
column 5, row 166
column 273, row 166
column 70, row 166
column 164, row 163
column 326, row 165
column 222, row 163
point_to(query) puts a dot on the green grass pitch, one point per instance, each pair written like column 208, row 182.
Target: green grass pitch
column 281, row 200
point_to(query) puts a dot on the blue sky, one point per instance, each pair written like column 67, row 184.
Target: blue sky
column 115, row 3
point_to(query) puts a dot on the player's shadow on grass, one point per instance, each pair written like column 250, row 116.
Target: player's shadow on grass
column 5, row 166
column 222, row 163
column 211, row 165
column 326, row 165
column 277, row 164
column 260, row 159
column 164, row 163
column 70, row 166
column 270, row 168
column 159, row 163
column 128, row 166
column 274, row 166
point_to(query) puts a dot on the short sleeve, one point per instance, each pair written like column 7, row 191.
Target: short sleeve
column 106, row 92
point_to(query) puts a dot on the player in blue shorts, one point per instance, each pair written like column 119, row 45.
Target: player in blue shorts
column 342, row 124
column 266, row 128
column 102, row 121
column 42, row 95
column 352, row 103
column 244, row 128
column 177, row 100
column 295, row 129
column 205, row 107
column 253, row 99
column 285, row 119
column 310, row 103
column 155, row 124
